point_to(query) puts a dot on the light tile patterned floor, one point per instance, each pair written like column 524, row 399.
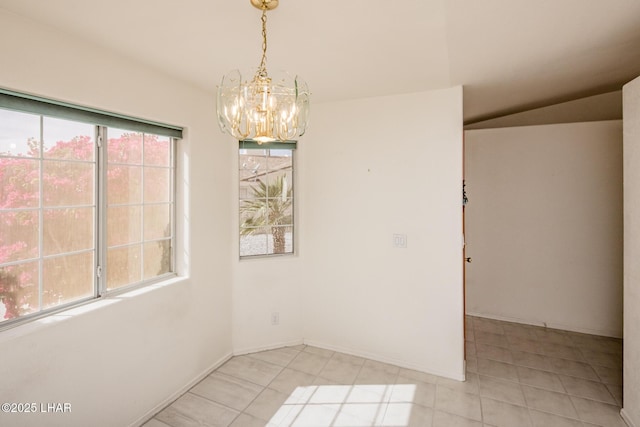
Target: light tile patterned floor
column 517, row 376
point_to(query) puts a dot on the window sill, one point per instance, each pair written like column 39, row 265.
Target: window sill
column 268, row 256
column 41, row 323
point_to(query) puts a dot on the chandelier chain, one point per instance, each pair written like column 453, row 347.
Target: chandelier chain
column 262, row 70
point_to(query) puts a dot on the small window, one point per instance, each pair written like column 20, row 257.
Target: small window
column 266, row 201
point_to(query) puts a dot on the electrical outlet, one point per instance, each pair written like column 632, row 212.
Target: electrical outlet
column 399, row 240
column 275, row 318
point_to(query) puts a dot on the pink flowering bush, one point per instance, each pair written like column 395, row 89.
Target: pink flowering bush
column 38, row 189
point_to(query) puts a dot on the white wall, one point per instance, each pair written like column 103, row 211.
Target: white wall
column 631, row 410
column 544, row 225
column 263, row 286
column 370, row 168
column 357, row 183
column 116, row 361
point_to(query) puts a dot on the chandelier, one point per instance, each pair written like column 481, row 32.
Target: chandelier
column 269, row 108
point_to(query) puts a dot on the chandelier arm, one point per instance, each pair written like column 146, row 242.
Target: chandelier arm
column 238, row 127
column 291, row 131
column 281, row 131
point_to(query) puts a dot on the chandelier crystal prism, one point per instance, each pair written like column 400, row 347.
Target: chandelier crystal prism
column 268, row 108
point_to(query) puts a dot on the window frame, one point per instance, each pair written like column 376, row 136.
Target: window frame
column 101, row 121
column 268, row 147
column 102, row 220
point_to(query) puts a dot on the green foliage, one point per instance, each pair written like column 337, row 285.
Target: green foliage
column 10, row 294
column 269, row 208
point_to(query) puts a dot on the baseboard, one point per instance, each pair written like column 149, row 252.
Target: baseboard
column 358, row 353
column 550, row 325
column 625, row 416
column 249, row 350
column 166, row 402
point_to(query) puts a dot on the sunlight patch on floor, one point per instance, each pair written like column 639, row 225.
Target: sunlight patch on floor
column 347, row 405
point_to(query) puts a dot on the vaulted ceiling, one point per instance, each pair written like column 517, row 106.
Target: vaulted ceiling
column 510, row 55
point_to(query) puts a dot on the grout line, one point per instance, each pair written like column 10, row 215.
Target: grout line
column 265, row 387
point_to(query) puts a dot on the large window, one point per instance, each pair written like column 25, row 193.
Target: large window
column 266, row 201
column 85, row 209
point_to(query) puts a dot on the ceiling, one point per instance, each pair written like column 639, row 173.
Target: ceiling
column 511, row 55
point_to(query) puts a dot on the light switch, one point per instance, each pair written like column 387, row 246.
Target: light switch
column 399, row 240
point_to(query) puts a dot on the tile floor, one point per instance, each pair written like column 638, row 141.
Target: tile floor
column 517, row 376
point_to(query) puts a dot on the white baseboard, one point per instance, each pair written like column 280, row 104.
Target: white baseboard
column 249, row 350
column 455, row 376
column 550, row 325
column 166, row 402
column 625, row 416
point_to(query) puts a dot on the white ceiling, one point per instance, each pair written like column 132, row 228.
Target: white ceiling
column 510, row 54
